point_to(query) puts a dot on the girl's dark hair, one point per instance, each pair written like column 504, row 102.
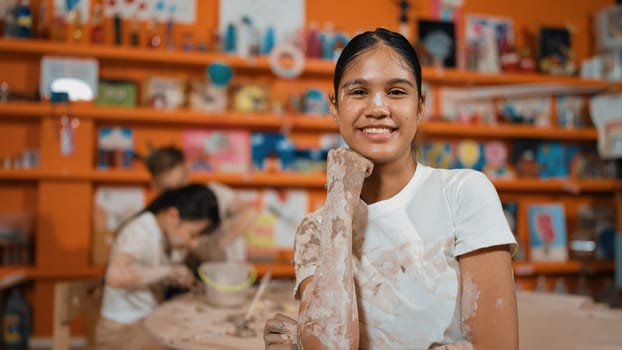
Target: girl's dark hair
column 163, row 159
column 194, row 202
column 368, row 40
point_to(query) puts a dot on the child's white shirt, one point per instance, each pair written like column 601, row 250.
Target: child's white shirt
column 143, row 239
column 405, row 267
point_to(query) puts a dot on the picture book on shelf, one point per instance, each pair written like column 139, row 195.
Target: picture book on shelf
column 288, row 208
column 115, row 148
column 547, row 232
column 225, row 151
column 510, row 210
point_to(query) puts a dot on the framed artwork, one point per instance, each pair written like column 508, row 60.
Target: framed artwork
column 437, row 42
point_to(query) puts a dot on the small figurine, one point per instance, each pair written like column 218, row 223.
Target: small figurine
column 154, row 39
column 97, row 30
column 117, row 28
column 24, row 19
column 187, row 43
column 76, row 15
column 404, row 5
column 43, row 31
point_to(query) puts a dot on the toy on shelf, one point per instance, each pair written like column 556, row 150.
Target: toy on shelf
column 23, row 19
column 97, row 26
column 164, row 92
column 211, row 94
column 251, row 98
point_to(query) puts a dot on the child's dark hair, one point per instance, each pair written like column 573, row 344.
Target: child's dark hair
column 193, row 201
column 163, row 159
column 367, row 41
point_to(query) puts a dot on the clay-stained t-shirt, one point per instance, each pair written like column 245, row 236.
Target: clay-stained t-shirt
column 405, row 263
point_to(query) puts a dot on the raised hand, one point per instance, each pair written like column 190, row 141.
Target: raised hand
column 348, row 168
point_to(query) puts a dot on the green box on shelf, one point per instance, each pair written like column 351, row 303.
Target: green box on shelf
column 117, row 93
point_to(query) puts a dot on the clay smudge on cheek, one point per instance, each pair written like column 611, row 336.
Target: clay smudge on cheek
column 470, row 297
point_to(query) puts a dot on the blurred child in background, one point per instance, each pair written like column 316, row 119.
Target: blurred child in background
column 168, row 169
column 149, row 251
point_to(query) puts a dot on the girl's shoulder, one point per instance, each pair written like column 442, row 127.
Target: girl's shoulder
column 142, row 224
column 457, row 177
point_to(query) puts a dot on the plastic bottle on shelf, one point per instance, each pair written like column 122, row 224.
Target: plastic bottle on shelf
column 43, row 30
column 154, row 39
column 24, row 19
column 15, row 322
column 58, row 30
column 77, row 25
column 97, row 30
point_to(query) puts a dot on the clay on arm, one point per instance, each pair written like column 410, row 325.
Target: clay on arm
column 328, row 315
column 125, row 272
column 488, row 299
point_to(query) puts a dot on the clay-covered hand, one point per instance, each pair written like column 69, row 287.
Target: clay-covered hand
column 349, row 167
column 280, row 333
column 181, row 275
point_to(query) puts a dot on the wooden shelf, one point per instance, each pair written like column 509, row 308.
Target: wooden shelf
column 236, row 180
column 25, row 109
column 447, row 76
column 279, row 270
column 449, row 129
column 311, row 180
column 149, row 115
column 142, row 177
column 34, row 273
column 564, row 267
column 574, row 186
column 298, row 122
column 460, row 77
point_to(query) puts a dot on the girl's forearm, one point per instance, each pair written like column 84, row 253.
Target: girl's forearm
column 129, row 274
column 330, row 320
column 461, row 345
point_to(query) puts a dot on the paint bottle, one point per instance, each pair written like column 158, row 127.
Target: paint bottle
column 15, row 322
column 58, row 30
column 154, row 39
column 268, row 41
column 314, row 46
column 118, row 22
column 97, row 30
column 24, row 19
column 230, row 38
column 43, row 31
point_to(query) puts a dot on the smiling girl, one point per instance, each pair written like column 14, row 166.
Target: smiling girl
column 401, row 255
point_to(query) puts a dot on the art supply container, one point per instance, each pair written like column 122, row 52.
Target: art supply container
column 227, row 282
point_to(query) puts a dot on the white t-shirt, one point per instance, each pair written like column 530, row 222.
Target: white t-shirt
column 142, row 239
column 405, row 267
